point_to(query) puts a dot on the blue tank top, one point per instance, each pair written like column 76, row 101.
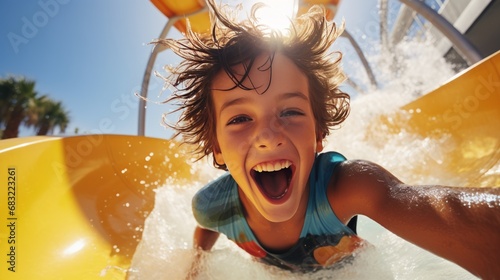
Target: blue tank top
column 324, row 240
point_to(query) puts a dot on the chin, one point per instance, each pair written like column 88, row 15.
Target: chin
column 281, row 213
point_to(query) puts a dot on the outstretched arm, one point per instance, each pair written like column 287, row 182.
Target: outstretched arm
column 458, row 224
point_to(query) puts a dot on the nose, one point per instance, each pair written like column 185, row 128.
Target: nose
column 269, row 135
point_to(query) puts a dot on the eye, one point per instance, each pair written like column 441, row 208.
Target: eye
column 291, row 112
column 239, row 120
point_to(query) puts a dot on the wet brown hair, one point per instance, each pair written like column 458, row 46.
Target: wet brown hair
column 231, row 43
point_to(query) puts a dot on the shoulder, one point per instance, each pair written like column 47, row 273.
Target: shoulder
column 213, row 198
column 325, row 163
column 213, row 190
column 359, row 187
column 363, row 173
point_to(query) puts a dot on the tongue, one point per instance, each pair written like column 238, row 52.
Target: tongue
column 274, row 184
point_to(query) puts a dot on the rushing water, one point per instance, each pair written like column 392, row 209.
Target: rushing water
column 165, row 250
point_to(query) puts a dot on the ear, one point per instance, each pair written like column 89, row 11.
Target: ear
column 219, row 159
column 319, row 143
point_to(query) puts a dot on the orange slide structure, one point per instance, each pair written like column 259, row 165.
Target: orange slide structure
column 74, row 207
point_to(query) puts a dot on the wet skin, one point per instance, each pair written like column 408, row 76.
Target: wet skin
column 267, row 131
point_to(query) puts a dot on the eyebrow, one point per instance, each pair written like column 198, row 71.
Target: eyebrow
column 295, row 94
column 232, row 102
column 241, row 100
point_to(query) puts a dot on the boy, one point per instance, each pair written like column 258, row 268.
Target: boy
column 261, row 103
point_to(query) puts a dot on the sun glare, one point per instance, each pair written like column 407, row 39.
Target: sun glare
column 278, row 13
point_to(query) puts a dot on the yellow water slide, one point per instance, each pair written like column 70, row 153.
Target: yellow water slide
column 74, row 207
column 463, row 117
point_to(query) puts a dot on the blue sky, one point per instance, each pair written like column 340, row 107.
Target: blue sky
column 91, row 55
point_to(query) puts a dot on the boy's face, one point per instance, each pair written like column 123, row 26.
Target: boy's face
column 268, row 141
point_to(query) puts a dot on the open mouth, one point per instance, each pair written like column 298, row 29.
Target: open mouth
column 273, row 179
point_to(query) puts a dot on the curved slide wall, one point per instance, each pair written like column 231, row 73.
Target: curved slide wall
column 78, row 204
column 462, row 117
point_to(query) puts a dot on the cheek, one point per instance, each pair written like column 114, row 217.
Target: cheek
column 234, row 154
column 234, row 142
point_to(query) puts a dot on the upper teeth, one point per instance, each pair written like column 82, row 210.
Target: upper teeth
column 269, row 166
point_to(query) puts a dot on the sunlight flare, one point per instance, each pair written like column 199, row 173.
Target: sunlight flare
column 277, row 14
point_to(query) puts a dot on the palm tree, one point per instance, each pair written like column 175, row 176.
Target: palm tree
column 17, row 101
column 50, row 114
column 19, row 104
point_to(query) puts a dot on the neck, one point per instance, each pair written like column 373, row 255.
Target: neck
column 275, row 236
column 253, row 214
